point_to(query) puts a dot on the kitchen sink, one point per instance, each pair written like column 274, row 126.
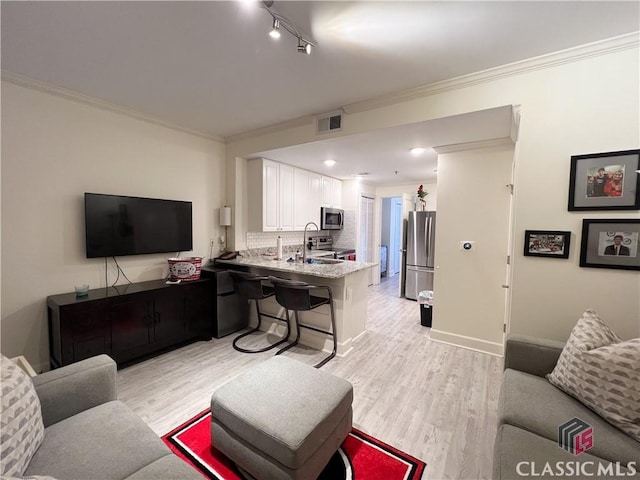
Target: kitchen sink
column 325, row 261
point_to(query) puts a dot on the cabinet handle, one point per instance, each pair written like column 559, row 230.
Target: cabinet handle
column 157, row 317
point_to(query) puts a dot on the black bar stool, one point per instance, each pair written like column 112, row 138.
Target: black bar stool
column 295, row 295
column 250, row 285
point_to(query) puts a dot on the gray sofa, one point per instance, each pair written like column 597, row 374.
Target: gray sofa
column 530, row 411
column 91, row 435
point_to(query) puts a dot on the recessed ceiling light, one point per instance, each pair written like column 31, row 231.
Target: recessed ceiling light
column 329, row 163
column 415, row 151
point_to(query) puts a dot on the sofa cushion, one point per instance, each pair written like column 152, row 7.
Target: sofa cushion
column 521, row 454
column 603, row 372
column 105, row 442
column 169, row 467
column 533, row 404
column 22, row 430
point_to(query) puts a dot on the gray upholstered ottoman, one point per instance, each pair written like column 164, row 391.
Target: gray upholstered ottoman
column 282, row 419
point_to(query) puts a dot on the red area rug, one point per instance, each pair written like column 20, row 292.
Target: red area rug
column 361, row 457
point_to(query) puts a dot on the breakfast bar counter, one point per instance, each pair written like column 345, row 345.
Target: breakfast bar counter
column 348, row 282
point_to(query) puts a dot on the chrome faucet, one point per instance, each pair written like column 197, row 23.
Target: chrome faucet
column 304, row 240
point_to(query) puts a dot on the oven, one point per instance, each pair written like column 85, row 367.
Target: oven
column 331, row 218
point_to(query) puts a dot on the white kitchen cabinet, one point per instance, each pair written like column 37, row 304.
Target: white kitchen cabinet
column 315, row 197
column 331, row 192
column 301, row 198
column 270, row 196
column 285, row 198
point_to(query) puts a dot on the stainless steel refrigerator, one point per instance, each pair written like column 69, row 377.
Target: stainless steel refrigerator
column 420, row 251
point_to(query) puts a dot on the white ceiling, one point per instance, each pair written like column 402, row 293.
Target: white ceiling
column 212, row 68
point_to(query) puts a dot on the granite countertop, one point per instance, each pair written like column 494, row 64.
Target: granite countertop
column 333, row 270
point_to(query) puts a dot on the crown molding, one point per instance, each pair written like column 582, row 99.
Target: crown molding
column 550, row 60
column 273, row 128
column 463, row 147
column 33, row 84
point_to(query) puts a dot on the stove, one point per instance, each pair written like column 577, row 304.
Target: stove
column 320, row 243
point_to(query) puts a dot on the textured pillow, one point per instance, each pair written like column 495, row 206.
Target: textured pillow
column 603, row 372
column 21, row 427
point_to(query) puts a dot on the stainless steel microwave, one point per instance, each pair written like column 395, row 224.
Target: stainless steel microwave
column 331, row 218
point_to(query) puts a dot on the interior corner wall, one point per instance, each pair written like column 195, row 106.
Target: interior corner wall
column 469, row 298
column 55, row 149
column 399, row 190
column 571, row 106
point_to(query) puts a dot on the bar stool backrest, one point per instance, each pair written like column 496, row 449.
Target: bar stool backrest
column 248, row 284
column 292, row 294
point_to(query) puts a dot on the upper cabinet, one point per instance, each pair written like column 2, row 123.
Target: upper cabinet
column 331, row 192
column 286, row 198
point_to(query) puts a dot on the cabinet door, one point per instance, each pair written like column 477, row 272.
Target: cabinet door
column 131, row 326
column 301, row 198
column 286, row 197
column 327, row 191
column 270, row 196
column 336, row 192
column 315, row 198
column 168, row 316
column 85, row 332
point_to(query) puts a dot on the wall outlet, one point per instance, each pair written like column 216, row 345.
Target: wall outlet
column 467, row 245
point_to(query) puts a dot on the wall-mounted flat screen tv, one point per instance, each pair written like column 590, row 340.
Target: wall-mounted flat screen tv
column 116, row 225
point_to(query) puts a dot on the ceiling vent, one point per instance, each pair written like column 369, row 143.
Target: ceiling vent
column 329, row 122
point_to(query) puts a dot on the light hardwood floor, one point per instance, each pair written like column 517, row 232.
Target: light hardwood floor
column 434, row 401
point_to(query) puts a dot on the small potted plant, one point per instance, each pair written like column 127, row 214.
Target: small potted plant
column 422, row 193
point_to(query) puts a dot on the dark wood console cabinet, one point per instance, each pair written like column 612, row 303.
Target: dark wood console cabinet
column 129, row 322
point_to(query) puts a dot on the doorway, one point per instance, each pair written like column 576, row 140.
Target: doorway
column 367, row 242
column 391, row 239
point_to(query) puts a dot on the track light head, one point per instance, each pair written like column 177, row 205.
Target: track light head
column 275, row 30
column 304, row 47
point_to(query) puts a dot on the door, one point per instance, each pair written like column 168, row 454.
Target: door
column 407, row 206
column 131, row 326
column 367, row 240
column 418, row 279
column 302, row 195
column 168, row 315
column 286, row 199
column 270, row 196
column 395, row 236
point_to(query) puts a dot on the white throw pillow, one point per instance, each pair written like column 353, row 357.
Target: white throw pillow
column 603, row 372
column 21, row 419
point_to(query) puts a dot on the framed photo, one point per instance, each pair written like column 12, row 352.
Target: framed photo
column 546, row 243
column 610, row 243
column 605, row 181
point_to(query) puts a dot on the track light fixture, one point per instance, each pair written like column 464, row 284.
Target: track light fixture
column 275, row 30
column 304, row 47
column 304, row 42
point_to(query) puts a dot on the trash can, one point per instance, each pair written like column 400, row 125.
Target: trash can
column 425, row 302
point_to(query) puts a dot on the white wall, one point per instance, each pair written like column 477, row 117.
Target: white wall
column 398, row 190
column 468, row 295
column 583, row 101
column 54, row 150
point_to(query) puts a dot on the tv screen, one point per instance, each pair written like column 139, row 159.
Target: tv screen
column 117, row 225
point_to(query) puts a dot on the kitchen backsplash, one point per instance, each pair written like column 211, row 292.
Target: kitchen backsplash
column 342, row 239
column 346, row 238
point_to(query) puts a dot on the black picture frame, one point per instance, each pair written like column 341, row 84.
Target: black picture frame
column 547, row 243
column 587, row 186
column 598, row 236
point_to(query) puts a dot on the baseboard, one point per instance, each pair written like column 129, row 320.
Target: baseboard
column 470, row 343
